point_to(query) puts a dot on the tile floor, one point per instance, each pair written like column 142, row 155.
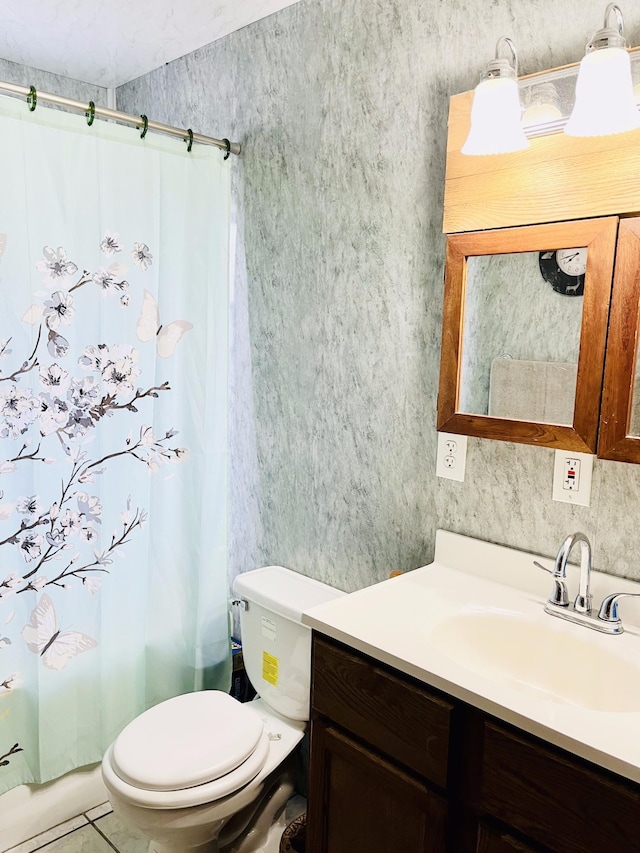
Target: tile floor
column 100, row 831
column 95, row 831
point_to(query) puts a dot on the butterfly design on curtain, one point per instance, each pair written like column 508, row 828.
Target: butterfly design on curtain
column 43, row 637
column 149, row 327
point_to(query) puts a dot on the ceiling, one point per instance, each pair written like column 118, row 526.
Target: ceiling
column 109, row 42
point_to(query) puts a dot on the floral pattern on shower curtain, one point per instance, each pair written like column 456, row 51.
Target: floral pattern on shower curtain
column 113, row 460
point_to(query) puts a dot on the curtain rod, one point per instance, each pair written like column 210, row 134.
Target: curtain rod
column 91, row 110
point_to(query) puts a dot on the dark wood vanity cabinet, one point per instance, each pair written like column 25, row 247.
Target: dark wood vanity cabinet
column 379, row 759
column 397, row 767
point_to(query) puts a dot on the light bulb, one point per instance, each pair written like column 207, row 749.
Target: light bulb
column 605, row 102
column 496, row 125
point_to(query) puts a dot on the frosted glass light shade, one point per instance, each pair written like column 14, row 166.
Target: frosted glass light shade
column 496, row 126
column 605, row 103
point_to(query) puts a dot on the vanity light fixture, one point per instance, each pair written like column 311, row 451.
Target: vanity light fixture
column 604, row 102
column 496, row 115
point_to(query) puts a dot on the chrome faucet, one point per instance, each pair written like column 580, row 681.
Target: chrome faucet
column 607, row 620
column 583, row 602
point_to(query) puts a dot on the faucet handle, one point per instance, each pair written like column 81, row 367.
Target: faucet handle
column 609, row 607
column 559, row 595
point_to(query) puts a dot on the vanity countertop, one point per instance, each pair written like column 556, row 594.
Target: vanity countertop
column 472, row 624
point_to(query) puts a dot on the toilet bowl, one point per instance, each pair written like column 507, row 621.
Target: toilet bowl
column 202, row 772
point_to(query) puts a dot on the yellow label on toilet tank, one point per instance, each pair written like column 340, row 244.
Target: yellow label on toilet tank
column 270, row 668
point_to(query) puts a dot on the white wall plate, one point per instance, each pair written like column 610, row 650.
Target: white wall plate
column 572, row 474
column 452, row 456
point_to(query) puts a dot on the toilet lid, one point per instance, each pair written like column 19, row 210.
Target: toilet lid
column 186, row 741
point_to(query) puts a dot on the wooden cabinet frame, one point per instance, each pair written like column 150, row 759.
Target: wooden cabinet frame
column 614, row 441
column 599, row 236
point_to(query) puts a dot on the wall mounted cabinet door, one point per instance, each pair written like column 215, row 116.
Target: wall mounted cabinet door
column 524, row 333
column 620, row 415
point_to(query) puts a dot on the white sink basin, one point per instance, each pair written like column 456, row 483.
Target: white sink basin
column 567, row 664
column 472, row 624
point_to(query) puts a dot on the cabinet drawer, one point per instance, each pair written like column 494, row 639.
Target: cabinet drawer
column 560, row 801
column 392, row 713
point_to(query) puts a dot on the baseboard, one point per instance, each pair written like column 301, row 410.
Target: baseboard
column 29, row 810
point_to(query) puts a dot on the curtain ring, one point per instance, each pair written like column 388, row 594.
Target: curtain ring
column 32, row 98
column 145, row 126
column 189, row 141
column 228, row 147
column 91, row 113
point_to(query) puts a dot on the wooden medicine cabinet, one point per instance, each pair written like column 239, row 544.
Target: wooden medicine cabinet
column 522, row 361
column 529, row 356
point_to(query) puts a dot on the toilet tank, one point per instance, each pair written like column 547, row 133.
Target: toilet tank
column 276, row 646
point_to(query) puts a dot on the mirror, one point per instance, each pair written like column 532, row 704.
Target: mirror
column 524, row 332
column 521, row 335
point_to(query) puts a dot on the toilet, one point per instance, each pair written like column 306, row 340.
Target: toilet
column 202, row 772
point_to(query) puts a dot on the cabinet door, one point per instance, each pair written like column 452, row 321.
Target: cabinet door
column 522, row 352
column 555, row 799
column 619, row 437
column 358, row 801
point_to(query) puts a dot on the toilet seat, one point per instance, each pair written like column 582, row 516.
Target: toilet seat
column 279, row 739
column 209, row 792
column 179, row 748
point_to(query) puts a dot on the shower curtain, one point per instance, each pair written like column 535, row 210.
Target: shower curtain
column 113, row 418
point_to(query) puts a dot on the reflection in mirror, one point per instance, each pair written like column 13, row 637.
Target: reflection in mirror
column 521, row 340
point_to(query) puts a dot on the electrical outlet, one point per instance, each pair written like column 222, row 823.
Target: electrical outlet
column 452, row 456
column 572, row 477
column 571, row 481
